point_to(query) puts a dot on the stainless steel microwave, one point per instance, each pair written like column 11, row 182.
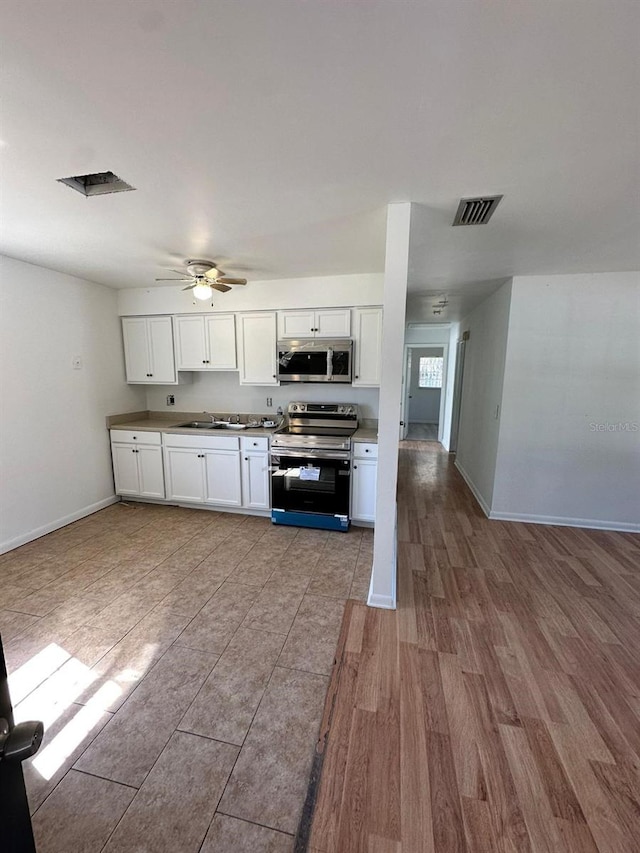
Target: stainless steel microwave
column 315, row 360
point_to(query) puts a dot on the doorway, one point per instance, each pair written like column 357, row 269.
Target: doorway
column 424, row 392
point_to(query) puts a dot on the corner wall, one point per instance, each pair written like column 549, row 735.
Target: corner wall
column 54, row 448
column 484, row 368
column 569, row 450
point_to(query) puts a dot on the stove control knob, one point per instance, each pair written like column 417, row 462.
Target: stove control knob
column 294, row 408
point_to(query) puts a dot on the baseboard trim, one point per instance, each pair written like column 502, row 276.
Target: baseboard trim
column 387, row 602
column 484, row 506
column 56, row 525
column 562, row 521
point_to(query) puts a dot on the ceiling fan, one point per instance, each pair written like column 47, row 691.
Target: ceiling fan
column 205, row 277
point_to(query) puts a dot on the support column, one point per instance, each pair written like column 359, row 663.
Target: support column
column 382, row 590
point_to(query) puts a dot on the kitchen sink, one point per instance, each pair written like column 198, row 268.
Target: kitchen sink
column 200, row 425
column 210, row 425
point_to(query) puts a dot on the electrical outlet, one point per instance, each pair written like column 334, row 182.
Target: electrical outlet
column 171, row 400
column 76, row 362
column 269, row 402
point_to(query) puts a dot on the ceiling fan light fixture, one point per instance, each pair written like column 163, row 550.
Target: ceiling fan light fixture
column 202, row 291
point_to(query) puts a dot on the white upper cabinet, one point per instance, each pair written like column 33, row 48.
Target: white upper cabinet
column 148, row 350
column 206, row 342
column 322, row 323
column 257, row 348
column 367, row 346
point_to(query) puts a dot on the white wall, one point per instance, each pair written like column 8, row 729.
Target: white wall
column 54, row 449
column 222, row 392
column 573, row 363
column 424, row 405
column 482, row 393
column 321, row 292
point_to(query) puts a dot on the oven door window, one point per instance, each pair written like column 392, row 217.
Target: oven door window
column 318, row 485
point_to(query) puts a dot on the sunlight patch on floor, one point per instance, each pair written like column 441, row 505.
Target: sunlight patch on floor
column 54, row 755
column 36, row 670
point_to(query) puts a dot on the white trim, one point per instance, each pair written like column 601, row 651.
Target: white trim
column 484, row 506
column 387, row 602
column 56, row 525
column 561, row 521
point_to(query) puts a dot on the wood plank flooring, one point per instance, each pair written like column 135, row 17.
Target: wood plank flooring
column 498, row 709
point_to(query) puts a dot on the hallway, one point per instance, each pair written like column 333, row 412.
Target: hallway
column 498, row 709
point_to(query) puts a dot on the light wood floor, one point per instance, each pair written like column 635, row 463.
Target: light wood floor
column 498, row 709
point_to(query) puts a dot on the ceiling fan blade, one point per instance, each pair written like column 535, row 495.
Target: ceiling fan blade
column 173, row 279
column 226, row 280
column 189, row 286
column 221, row 287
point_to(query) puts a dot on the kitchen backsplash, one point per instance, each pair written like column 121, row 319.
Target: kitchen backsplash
column 223, row 392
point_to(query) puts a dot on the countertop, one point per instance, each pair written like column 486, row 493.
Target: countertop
column 159, row 422
column 366, row 434
column 155, row 422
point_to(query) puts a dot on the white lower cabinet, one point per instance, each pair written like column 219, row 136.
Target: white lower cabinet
column 137, row 466
column 185, row 474
column 254, row 454
column 203, row 469
column 222, row 477
column 363, row 481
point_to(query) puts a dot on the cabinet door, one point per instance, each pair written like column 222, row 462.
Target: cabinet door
column 221, row 334
column 297, row 324
column 363, row 493
column 150, row 472
column 136, row 353
column 368, row 346
column 255, row 480
column 185, row 474
column 223, row 477
column 333, row 323
column 125, row 469
column 191, row 343
column 257, row 348
column 161, row 358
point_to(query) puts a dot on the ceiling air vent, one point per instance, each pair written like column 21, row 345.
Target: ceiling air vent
column 476, row 211
column 100, row 183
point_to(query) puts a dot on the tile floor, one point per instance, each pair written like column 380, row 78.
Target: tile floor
column 179, row 660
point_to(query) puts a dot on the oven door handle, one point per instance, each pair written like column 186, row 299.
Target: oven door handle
column 316, row 454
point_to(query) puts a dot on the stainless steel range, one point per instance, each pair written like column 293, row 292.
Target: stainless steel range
column 311, row 465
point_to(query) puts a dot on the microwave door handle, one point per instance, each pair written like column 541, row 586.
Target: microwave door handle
column 329, row 363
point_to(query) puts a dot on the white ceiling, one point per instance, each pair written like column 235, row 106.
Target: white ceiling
column 274, row 134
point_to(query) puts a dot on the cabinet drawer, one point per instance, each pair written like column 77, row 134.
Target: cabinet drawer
column 253, row 442
column 365, row 450
column 203, row 442
column 138, row 437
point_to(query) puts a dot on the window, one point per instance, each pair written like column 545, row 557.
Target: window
column 430, row 372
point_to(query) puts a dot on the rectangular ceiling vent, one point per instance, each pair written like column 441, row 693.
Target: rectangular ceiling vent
column 100, row 183
column 476, row 211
